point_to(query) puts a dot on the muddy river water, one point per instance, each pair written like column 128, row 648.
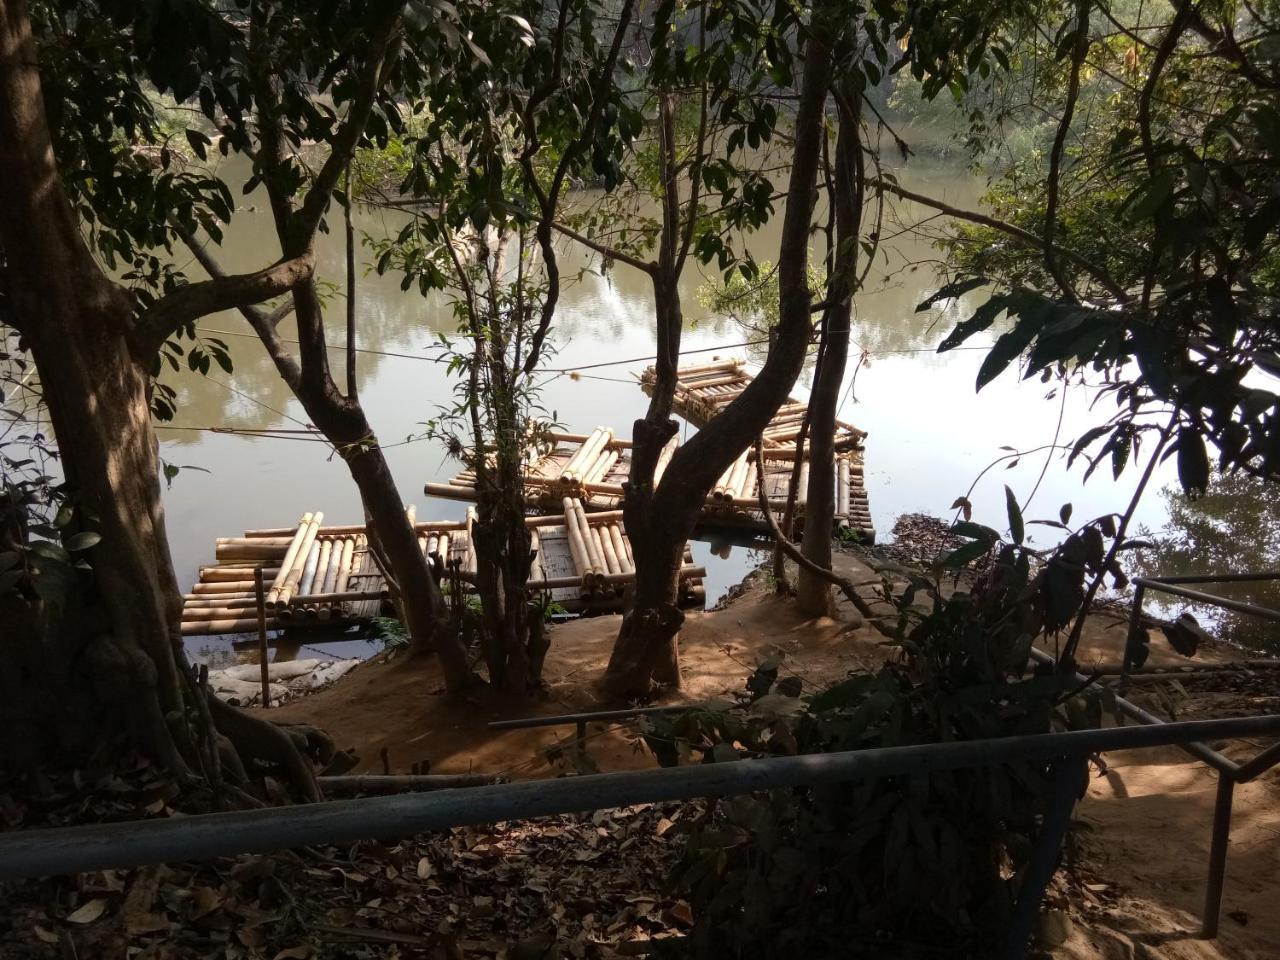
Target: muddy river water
column 930, row 432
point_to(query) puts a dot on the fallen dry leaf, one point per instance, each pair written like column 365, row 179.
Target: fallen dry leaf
column 301, row 952
column 89, row 912
column 424, row 868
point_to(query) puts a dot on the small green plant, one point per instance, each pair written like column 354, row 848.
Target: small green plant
column 912, row 866
column 390, row 632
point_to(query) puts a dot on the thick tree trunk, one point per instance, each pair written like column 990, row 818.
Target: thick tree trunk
column 514, row 645
column 647, row 647
column 645, row 650
column 419, row 596
column 75, row 322
column 813, row 593
column 102, row 663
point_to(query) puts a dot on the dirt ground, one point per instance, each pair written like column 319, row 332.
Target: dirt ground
column 1142, row 831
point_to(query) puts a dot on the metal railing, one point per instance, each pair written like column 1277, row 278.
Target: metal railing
column 80, row 849
column 1230, row 773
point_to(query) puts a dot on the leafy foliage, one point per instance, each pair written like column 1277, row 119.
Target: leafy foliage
column 1161, row 267
column 916, row 864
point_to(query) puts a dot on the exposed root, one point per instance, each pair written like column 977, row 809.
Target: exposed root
column 793, row 551
column 261, row 741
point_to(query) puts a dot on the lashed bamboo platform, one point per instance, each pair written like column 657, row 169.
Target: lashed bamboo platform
column 316, row 575
column 560, row 471
column 703, row 391
column 588, row 467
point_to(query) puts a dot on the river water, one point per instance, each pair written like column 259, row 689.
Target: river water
column 930, row 432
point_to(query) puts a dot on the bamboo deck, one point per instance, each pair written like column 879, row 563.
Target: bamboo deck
column 703, row 391
column 326, row 576
column 732, row 503
column 587, row 467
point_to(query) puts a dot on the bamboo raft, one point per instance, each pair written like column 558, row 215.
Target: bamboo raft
column 703, row 391
column 557, row 473
column 315, row 575
column 587, row 467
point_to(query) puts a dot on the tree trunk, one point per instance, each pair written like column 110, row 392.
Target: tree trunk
column 813, row 593
column 102, row 662
column 74, row 321
column 661, row 522
column 418, row 595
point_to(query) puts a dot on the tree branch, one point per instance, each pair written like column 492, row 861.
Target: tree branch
column 1098, row 272
column 192, row 301
column 1080, row 50
column 264, row 324
column 605, row 250
column 307, row 219
column 791, row 550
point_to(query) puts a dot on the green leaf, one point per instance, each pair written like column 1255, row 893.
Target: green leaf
column 50, row 551
column 951, row 291
column 1064, row 513
column 965, row 554
column 1193, row 462
column 976, row 531
column 1015, row 515
column 82, row 541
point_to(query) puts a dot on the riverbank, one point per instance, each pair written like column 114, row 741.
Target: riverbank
column 1136, row 865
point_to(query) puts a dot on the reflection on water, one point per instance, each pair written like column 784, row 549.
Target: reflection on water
column 1234, row 528
column 930, row 434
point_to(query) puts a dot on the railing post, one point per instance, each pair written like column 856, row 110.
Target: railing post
column 1070, row 778
column 1135, row 624
column 259, row 596
column 1218, row 856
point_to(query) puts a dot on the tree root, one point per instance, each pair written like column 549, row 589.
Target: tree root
column 793, row 551
column 261, row 741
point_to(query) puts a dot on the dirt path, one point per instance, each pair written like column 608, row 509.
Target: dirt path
column 1143, row 829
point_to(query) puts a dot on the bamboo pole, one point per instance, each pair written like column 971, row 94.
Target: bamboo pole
column 843, row 509
column 684, row 373
column 290, row 556
column 449, row 492
column 577, row 545
column 224, row 586
column 443, row 549
column 260, row 605
column 664, row 458
column 584, row 437
column 208, row 628
column 608, row 489
column 355, row 529
column 253, row 542
column 604, row 463
column 620, row 549
column 307, row 583
column 470, row 565
column 344, row 565
column 228, row 611
column 738, row 479
column 249, row 554
column 748, row 487
column 232, row 601
column 593, row 548
column 217, row 573
column 576, row 462
column 605, row 543
column 296, row 572
column 802, row 494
